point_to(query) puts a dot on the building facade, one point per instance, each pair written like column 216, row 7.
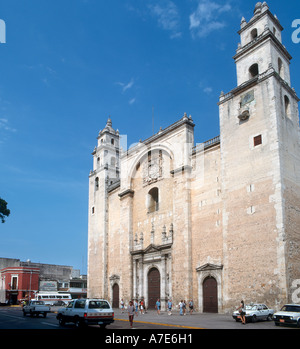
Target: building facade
column 21, row 281
column 215, row 222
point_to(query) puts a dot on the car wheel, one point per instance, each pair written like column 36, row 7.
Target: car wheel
column 45, row 314
column 103, row 326
column 270, row 317
column 61, row 321
column 78, row 323
column 298, row 324
column 24, row 313
column 254, row 319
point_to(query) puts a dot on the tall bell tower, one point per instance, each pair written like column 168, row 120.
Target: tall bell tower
column 106, row 163
column 260, row 164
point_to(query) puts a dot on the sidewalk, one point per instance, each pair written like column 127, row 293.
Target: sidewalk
column 194, row 321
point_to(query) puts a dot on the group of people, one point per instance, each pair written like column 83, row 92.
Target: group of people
column 134, row 308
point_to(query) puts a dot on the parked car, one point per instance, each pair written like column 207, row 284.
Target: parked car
column 36, row 308
column 86, row 312
column 59, row 304
column 255, row 312
column 288, row 315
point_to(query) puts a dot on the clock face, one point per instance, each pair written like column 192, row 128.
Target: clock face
column 247, row 98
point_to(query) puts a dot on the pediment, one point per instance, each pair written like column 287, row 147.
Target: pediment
column 151, row 248
column 209, row 266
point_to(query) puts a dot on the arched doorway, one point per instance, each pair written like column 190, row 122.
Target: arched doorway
column 115, row 302
column 210, row 295
column 153, row 287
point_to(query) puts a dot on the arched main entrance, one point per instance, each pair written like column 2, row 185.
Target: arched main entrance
column 115, row 302
column 210, row 295
column 153, row 287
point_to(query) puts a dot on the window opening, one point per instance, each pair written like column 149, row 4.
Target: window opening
column 153, row 200
column 253, row 71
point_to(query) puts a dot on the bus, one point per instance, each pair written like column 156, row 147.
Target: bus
column 52, row 297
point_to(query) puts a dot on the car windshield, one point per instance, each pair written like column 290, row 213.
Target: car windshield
column 98, row 305
column 291, row 308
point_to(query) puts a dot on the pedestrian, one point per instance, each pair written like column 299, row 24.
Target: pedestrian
column 181, row 307
column 191, row 306
column 157, row 306
column 241, row 309
column 142, row 307
column 170, row 307
column 122, row 306
column 130, row 310
column 184, row 307
column 136, row 307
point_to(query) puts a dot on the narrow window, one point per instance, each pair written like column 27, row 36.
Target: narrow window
column 257, row 140
column 253, row 71
column 153, row 200
column 287, row 106
column 97, row 183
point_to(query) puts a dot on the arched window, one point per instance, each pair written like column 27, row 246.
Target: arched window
column 253, row 71
column 287, row 106
column 97, row 183
column 153, row 200
column 254, row 34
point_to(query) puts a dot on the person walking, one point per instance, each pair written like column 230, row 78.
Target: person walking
column 130, row 310
column 157, row 306
column 181, row 307
column 241, row 309
column 191, row 306
column 184, row 307
column 136, row 307
column 170, row 307
column 142, row 307
column 122, row 305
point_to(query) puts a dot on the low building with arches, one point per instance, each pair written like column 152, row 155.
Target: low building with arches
column 215, row 221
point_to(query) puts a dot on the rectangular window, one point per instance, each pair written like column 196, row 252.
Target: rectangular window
column 257, row 140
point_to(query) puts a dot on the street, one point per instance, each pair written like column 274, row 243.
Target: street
column 12, row 318
column 149, row 328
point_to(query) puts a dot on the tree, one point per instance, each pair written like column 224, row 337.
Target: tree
column 4, row 211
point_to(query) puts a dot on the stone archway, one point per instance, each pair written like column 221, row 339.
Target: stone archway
column 153, row 287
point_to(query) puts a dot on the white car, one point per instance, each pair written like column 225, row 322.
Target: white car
column 255, row 312
column 86, row 312
column 288, row 315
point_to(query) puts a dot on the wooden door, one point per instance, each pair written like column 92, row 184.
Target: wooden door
column 116, row 301
column 210, row 295
column 153, row 287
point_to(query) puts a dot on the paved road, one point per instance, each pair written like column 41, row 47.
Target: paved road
column 12, row 318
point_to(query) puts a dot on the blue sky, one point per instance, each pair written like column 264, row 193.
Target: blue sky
column 69, row 64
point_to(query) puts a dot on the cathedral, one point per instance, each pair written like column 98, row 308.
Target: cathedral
column 215, row 222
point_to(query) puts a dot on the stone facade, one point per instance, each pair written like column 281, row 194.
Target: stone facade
column 219, row 221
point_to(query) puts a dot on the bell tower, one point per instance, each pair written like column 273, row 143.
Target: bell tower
column 260, row 164
column 106, row 160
